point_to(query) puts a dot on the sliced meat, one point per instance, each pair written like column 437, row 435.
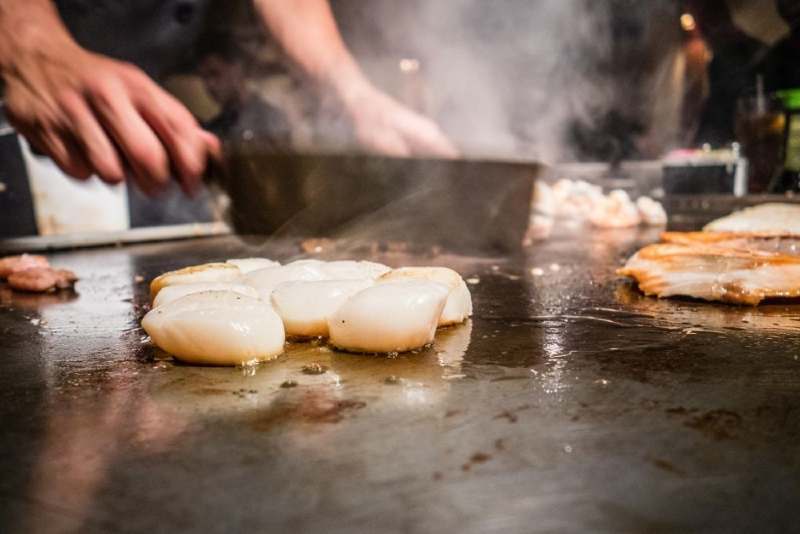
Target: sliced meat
column 35, row 280
column 41, row 279
column 11, row 264
column 65, row 279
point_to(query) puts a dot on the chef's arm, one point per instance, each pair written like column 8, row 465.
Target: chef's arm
column 92, row 114
column 307, row 32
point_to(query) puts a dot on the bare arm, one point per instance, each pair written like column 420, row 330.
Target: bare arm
column 307, row 32
column 90, row 113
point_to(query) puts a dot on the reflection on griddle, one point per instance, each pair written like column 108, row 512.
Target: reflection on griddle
column 699, row 315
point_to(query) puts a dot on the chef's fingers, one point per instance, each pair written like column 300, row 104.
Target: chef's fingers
column 64, row 151
column 180, row 134
column 79, row 165
column 424, row 137
column 213, row 146
column 387, row 142
column 431, row 142
column 143, row 151
column 97, row 147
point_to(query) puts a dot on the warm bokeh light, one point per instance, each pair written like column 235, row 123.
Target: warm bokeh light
column 687, row 22
column 409, row 65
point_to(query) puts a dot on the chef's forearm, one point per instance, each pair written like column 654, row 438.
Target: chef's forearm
column 30, row 27
column 307, row 32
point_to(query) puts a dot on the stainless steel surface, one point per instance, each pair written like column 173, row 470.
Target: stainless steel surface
column 463, row 205
column 569, row 403
column 94, row 239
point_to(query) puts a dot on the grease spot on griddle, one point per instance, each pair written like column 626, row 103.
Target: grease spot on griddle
column 477, row 458
column 664, row 465
column 511, row 414
column 211, row 392
column 717, row 424
column 311, row 408
column 314, row 369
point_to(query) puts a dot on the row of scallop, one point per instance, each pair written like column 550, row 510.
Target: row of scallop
column 242, row 311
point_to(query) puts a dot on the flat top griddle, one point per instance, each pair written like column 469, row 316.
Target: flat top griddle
column 569, row 403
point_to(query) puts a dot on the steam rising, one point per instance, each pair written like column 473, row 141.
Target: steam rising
column 505, row 78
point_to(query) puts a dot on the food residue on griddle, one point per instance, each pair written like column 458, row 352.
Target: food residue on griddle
column 511, row 414
column 717, row 424
column 289, row 384
column 314, row 369
column 477, row 458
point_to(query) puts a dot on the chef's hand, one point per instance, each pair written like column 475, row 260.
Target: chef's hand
column 307, row 32
column 383, row 125
column 95, row 115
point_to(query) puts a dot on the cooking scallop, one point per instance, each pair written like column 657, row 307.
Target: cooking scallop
column 209, row 272
column 170, row 293
column 459, row 301
column 216, row 328
column 352, row 270
column 306, row 306
column 266, row 280
column 248, row 265
column 389, row 317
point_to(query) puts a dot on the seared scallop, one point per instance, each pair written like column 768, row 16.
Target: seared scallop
column 170, row 293
column 616, row 210
column 208, row 272
column 389, row 317
column 459, row 301
column 651, row 212
column 248, row 265
column 266, row 280
column 353, row 270
column 306, row 306
column 216, row 328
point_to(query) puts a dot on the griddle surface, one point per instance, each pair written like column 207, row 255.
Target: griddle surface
column 570, row 403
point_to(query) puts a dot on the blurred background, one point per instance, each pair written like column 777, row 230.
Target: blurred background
column 670, row 97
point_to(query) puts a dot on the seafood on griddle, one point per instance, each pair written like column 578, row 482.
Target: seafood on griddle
column 759, row 241
column 248, row 265
column 772, row 217
column 616, row 210
column 359, row 306
column 458, row 306
column 714, row 273
column 216, row 328
column 174, row 292
column 305, row 306
column 743, row 258
column 395, row 316
column 209, row 272
column 577, row 202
